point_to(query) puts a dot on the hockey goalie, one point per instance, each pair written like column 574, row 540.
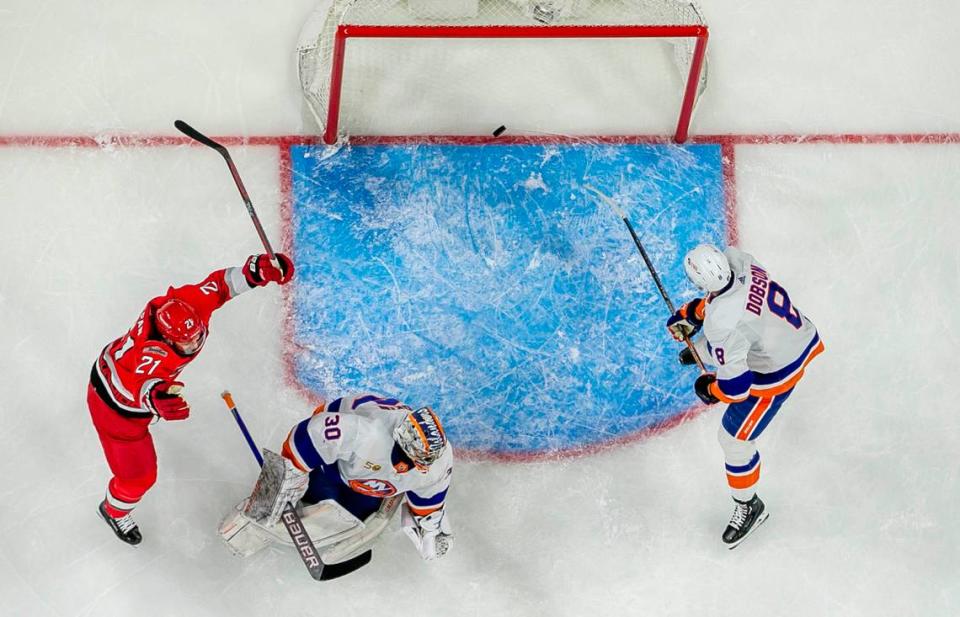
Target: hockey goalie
column 349, row 467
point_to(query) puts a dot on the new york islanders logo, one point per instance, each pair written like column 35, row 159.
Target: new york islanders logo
column 373, row 487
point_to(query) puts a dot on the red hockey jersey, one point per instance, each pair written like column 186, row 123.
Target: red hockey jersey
column 132, row 364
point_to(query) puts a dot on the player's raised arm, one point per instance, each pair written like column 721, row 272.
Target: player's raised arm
column 136, row 378
column 223, row 285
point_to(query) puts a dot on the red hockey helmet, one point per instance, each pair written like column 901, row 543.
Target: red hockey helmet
column 179, row 324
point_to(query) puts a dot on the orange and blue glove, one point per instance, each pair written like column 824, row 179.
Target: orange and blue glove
column 687, row 320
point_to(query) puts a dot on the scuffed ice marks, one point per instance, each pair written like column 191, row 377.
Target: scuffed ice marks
column 483, row 281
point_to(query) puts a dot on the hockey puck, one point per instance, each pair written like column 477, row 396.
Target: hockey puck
column 499, row 130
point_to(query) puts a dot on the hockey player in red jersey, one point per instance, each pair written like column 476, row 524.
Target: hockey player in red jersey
column 136, row 379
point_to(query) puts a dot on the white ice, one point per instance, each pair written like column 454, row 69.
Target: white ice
column 861, row 471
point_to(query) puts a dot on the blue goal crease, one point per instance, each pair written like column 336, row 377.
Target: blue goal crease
column 485, row 282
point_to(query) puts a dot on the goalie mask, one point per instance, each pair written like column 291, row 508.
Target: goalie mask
column 421, row 437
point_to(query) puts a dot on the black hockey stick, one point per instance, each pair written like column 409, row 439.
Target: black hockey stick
column 291, row 520
column 646, row 258
column 196, row 135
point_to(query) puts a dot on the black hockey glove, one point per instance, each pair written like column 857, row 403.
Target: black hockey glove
column 702, row 388
column 686, row 357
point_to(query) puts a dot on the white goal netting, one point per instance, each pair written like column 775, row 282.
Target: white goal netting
column 465, row 66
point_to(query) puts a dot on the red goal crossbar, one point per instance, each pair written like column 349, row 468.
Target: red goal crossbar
column 345, row 31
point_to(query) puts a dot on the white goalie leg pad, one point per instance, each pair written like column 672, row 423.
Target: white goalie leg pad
column 327, row 522
column 365, row 537
column 242, row 536
column 279, row 483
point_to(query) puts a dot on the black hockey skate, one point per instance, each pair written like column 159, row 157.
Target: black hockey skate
column 125, row 528
column 747, row 516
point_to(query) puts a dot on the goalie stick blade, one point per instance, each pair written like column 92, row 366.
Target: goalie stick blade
column 308, row 551
column 196, row 135
column 604, row 198
column 336, row 570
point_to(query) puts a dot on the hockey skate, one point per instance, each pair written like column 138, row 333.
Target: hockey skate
column 124, row 527
column 747, row 516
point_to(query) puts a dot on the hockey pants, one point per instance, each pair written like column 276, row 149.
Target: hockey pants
column 129, row 450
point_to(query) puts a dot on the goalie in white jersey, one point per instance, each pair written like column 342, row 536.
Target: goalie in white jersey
column 760, row 344
column 349, row 465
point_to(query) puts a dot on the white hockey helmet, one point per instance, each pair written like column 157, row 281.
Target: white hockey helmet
column 707, row 267
column 421, row 437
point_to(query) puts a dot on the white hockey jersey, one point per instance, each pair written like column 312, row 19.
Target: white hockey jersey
column 355, row 433
column 759, row 342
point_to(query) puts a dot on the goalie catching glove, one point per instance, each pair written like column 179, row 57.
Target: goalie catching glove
column 431, row 534
column 687, row 321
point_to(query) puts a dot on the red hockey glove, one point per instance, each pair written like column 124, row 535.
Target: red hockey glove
column 259, row 270
column 702, row 388
column 166, row 400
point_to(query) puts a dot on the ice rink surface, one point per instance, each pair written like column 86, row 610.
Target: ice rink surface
column 489, row 281
column 860, row 471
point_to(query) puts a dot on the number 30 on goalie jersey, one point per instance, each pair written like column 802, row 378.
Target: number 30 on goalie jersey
column 354, row 434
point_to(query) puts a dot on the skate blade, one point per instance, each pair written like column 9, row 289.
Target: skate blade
column 763, row 517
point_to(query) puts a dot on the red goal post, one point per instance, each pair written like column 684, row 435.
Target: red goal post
column 323, row 51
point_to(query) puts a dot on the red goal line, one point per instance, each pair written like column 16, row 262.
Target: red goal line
column 147, row 141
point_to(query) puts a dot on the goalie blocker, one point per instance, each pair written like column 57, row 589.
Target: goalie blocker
column 350, row 467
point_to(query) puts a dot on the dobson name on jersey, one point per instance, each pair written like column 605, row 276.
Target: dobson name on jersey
column 758, row 340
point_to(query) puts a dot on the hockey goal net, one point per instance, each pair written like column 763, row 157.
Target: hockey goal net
column 381, row 67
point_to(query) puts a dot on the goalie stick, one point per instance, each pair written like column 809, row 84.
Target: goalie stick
column 291, row 520
column 196, row 135
column 646, row 258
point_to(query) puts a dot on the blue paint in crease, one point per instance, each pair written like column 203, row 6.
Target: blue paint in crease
column 484, row 282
